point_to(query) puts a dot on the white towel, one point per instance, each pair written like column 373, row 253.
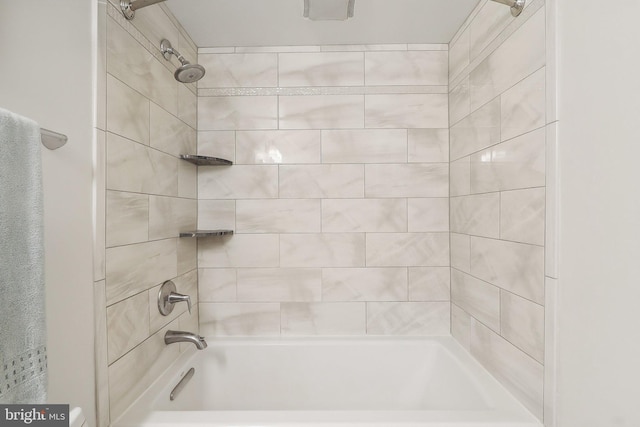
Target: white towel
column 23, row 373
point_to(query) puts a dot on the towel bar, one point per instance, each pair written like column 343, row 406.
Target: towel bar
column 52, row 140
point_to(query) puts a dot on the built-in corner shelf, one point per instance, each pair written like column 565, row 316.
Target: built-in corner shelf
column 206, row 233
column 205, row 160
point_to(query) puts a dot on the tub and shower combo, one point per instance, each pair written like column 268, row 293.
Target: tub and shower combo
column 407, row 382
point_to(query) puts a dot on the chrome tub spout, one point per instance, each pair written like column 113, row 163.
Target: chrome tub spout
column 180, row 336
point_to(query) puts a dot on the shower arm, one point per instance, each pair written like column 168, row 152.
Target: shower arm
column 167, row 50
column 516, row 5
column 129, row 7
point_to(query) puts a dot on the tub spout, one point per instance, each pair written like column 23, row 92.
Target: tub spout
column 180, row 336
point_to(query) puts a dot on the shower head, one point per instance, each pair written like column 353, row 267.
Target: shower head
column 187, row 72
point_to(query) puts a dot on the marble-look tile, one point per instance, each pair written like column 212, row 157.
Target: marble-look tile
column 277, row 146
column 155, row 25
column 517, row 163
column 481, row 129
column 187, row 106
column 321, row 112
column 187, row 254
column 127, row 325
column 407, row 68
column 523, row 106
column 461, row 252
column 358, row 215
column 139, row 169
column 331, row 318
column 237, row 112
column 428, row 215
column 127, row 111
column 278, row 216
column 459, row 55
column 99, row 187
column 279, row 284
column 127, row 219
column 217, row 285
column 221, row 144
column 509, row 63
column 238, row 182
column 518, row 372
column 239, row 319
column 321, row 69
column 522, row 215
column 428, row 46
column 459, row 102
column 321, row 181
column 364, row 146
column 407, row 249
column 322, row 250
column 461, row 326
column 131, row 63
column 100, row 112
column 480, row 299
column 168, row 216
column 522, row 324
column 515, row 267
column 429, row 283
column 408, row 180
column 428, row 145
column 186, row 284
column 216, row 214
column 135, row 268
column 239, row 70
column 187, row 180
column 364, row 284
column 478, row 215
column 240, row 250
column 101, row 354
column 488, row 23
column 408, row 318
column 406, row 111
column 169, row 134
column 133, row 373
column 460, row 177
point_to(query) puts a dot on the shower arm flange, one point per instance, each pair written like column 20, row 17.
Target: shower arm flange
column 129, row 7
column 517, row 6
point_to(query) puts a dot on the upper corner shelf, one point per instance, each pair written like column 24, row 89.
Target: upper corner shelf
column 205, row 160
column 206, row 233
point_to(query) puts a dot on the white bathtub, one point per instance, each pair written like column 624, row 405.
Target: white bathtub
column 329, row 382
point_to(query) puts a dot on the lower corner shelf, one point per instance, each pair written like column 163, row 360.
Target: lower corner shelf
column 206, row 233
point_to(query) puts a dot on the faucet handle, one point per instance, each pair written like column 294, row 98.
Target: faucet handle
column 175, row 297
column 168, row 296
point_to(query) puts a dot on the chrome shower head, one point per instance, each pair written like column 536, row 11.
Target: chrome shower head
column 187, row 72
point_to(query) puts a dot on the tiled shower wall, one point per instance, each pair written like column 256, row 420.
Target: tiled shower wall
column 338, row 195
column 145, row 196
column 498, row 136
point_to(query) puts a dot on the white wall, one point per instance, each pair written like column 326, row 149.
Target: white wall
column 46, row 69
column 599, row 147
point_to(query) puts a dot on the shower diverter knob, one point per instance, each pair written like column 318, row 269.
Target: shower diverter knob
column 168, row 296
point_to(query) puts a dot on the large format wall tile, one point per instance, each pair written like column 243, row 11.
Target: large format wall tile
column 353, row 215
column 321, row 181
column 522, row 323
column 459, row 55
column 428, row 214
column 237, row 112
column 240, row 250
column 428, row 145
column 364, row 284
column 240, row 70
column 406, row 68
column 479, row 130
column 169, row 216
column 364, row 146
column 322, row 250
column 523, row 106
column 333, row 318
column 321, row 69
column 217, row 284
column 406, row 111
column 321, row 112
column 478, row 298
column 238, row 182
column 127, row 325
column 278, row 216
column 127, row 111
column 277, row 146
column 239, row 319
column 477, row 215
column 216, row 214
column 518, row 372
column 279, row 284
column 429, row 283
column 408, row 318
column 407, row 249
column 127, row 219
column 170, row 134
column 522, row 215
column 407, row 180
